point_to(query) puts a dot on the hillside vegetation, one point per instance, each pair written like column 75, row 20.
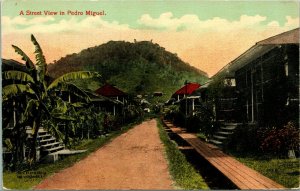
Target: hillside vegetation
column 136, row 68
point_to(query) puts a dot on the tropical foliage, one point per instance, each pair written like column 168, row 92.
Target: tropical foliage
column 59, row 101
column 31, row 98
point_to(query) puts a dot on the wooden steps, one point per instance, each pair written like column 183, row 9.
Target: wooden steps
column 50, row 140
column 58, row 148
column 225, row 131
column 48, row 145
column 242, row 176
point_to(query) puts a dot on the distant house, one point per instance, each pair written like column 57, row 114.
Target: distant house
column 263, row 82
column 184, row 97
column 186, row 90
column 113, row 93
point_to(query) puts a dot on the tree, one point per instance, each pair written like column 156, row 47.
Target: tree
column 41, row 99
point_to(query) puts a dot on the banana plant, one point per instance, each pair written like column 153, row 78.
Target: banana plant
column 37, row 88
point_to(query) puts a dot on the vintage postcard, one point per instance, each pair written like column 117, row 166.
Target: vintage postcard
column 150, row 94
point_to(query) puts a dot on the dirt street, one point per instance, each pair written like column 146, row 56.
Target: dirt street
column 134, row 160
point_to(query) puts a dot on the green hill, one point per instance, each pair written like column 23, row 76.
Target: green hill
column 136, row 68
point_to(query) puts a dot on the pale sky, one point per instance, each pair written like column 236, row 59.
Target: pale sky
column 206, row 34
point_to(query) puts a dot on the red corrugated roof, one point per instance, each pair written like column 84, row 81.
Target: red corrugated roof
column 187, row 89
column 109, row 91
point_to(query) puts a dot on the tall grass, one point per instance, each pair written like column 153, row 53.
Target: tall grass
column 182, row 172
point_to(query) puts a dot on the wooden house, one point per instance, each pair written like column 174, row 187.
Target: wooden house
column 185, row 98
column 263, row 82
column 113, row 93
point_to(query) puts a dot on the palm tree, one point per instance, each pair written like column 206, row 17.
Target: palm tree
column 38, row 90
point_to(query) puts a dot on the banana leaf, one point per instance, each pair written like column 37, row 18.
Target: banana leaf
column 41, row 65
column 17, row 75
column 72, row 76
column 11, row 90
column 29, row 63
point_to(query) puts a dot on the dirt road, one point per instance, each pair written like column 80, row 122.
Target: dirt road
column 134, row 160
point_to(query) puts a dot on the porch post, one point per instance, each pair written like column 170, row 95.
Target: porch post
column 69, row 97
column 214, row 109
column 247, row 109
column 193, row 106
column 15, row 113
column 252, row 97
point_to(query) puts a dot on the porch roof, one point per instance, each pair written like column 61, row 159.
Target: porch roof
column 187, row 89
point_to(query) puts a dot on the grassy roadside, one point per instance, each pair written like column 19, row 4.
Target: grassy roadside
column 29, row 178
column 284, row 171
column 185, row 176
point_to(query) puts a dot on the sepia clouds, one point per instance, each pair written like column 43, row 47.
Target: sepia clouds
column 207, row 44
column 166, row 21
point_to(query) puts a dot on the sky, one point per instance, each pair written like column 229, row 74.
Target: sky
column 205, row 34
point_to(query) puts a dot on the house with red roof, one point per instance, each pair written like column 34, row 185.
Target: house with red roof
column 188, row 89
column 110, row 91
column 186, row 99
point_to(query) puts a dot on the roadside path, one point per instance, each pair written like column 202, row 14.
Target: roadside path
column 134, row 160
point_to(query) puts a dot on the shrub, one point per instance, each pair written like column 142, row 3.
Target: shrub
column 244, row 138
column 202, row 122
column 193, row 124
column 280, row 140
column 132, row 113
column 174, row 114
column 115, row 122
column 273, row 141
column 169, row 112
column 206, row 123
column 179, row 119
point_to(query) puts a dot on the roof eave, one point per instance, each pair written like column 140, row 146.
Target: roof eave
column 257, row 50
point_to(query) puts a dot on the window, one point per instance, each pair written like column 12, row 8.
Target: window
column 229, row 82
